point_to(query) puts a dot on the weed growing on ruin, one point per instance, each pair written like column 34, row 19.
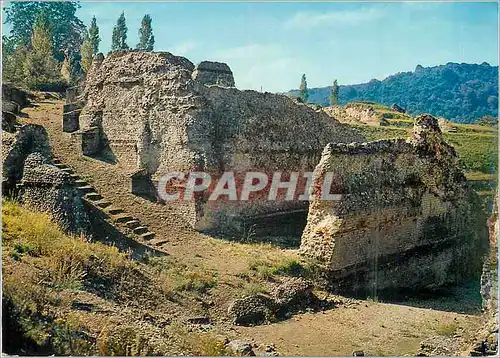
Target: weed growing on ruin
column 254, row 288
column 248, row 234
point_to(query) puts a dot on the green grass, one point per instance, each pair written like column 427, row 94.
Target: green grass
column 43, row 268
column 266, row 269
column 447, row 330
column 476, row 146
column 476, row 152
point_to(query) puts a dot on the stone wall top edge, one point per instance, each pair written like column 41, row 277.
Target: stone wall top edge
column 397, row 145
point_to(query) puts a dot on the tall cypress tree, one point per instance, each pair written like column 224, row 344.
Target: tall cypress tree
column 334, row 94
column 146, row 38
column 90, row 45
column 94, row 35
column 86, row 52
column 119, row 39
column 303, row 91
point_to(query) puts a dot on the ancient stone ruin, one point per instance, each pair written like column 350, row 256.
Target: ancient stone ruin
column 156, row 113
column 406, row 218
column 47, row 188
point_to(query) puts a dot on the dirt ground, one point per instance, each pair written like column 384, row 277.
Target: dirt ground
column 376, row 328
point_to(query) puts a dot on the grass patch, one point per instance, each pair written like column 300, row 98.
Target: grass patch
column 43, row 268
column 254, row 288
column 266, row 269
column 447, row 330
column 476, row 146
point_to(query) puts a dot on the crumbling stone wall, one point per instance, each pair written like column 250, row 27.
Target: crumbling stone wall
column 213, row 73
column 13, row 100
column 44, row 187
column 157, row 112
column 406, row 217
column 354, row 113
column 17, row 146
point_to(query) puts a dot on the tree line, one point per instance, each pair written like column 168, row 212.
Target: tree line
column 460, row 92
column 304, row 91
column 49, row 47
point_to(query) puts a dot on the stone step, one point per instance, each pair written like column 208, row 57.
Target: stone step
column 115, row 211
column 60, row 165
column 132, row 224
column 140, row 230
column 123, row 218
column 68, row 170
column 103, row 204
column 148, row 235
column 76, row 177
column 81, row 182
column 93, row 196
column 161, row 242
column 86, row 189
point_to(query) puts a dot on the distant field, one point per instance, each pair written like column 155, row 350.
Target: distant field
column 477, row 146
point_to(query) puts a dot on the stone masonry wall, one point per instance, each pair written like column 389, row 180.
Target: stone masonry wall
column 47, row 188
column 406, row 217
column 155, row 105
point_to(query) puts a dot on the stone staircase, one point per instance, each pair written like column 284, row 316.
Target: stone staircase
column 118, row 217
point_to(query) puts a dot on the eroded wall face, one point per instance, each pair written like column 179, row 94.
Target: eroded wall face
column 154, row 114
column 406, row 216
column 265, row 133
column 140, row 101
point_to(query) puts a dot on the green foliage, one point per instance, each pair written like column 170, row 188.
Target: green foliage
column 90, row 45
column 12, row 61
column 119, row 40
column 334, row 94
column 303, row 91
column 146, row 38
column 462, row 93
column 67, row 29
column 87, row 53
column 94, row 35
column 40, row 68
column 66, row 70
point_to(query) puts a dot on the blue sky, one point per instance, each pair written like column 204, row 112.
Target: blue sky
column 272, row 44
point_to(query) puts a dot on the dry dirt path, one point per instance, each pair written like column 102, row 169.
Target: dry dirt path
column 376, row 328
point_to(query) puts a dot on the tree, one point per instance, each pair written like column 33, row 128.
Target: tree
column 119, row 40
column 40, row 68
column 90, row 45
column 93, row 35
column 66, row 69
column 146, row 38
column 87, row 53
column 66, row 28
column 334, row 94
column 303, row 91
column 12, row 61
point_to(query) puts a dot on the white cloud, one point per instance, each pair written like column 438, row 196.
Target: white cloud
column 254, row 66
column 345, row 17
column 252, row 50
column 183, row 48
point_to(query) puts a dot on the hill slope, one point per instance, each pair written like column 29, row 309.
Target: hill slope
column 462, row 93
